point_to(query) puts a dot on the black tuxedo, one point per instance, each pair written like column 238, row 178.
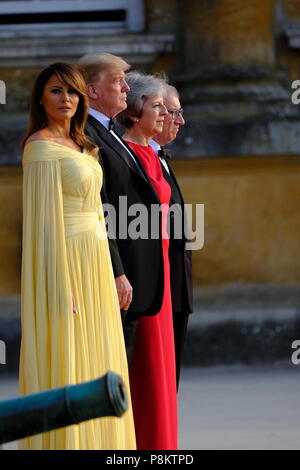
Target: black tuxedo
column 140, row 260
column 180, row 271
column 180, row 258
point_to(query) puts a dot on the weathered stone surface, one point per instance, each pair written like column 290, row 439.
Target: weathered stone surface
column 42, row 48
column 229, row 31
column 10, row 230
column 246, row 323
column 233, row 342
column 205, row 138
column 233, row 63
column 237, row 99
column 18, row 91
column 161, row 15
column 10, row 148
column 231, row 324
column 12, row 130
column 291, row 8
column 251, row 218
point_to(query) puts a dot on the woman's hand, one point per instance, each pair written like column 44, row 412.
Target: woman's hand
column 74, row 306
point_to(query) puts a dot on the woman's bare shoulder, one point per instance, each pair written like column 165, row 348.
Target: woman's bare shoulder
column 42, row 134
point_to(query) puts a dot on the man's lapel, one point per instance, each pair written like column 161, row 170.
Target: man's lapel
column 171, row 179
column 175, row 183
column 118, row 148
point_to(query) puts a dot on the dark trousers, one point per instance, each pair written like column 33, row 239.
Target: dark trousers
column 130, row 324
column 180, row 321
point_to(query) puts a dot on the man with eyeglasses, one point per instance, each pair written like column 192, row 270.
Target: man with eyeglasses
column 180, row 258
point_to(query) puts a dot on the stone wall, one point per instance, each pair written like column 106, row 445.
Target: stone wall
column 251, row 216
column 234, row 63
column 252, row 223
column 246, row 276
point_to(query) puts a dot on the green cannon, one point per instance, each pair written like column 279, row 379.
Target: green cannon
column 52, row 409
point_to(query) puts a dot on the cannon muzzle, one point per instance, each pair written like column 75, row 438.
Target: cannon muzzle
column 52, row 409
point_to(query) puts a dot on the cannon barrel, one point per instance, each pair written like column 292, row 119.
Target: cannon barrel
column 52, row 409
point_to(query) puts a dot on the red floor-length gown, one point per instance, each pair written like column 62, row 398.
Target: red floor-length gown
column 153, row 370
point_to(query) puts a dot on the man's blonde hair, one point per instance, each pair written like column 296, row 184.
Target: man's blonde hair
column 91, row 65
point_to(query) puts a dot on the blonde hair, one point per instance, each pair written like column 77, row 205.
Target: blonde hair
column 91, row 65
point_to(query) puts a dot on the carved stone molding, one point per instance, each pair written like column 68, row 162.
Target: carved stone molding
column 39, row 47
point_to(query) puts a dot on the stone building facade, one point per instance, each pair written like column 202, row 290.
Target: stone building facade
column 235, row 64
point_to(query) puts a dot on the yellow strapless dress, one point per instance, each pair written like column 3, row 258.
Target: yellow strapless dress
column 65, row 253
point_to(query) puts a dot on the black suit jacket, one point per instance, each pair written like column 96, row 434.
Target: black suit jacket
column 141, row 259
column 180, row 258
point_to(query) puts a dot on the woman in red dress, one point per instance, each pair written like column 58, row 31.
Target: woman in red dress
column 152, row 371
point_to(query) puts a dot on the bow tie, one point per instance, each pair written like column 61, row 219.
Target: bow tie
column 165, row 153
column 111, row 124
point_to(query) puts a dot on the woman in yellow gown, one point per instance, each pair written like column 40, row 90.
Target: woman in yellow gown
column 71, row 324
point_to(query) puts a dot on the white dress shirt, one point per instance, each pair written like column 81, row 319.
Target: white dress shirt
column 104, row 120
column 156, row 147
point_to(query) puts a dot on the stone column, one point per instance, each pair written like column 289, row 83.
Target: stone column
column 228, row 32
column 288, row 36
column 236, row 99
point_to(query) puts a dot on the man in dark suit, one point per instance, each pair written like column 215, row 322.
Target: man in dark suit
column 180, row 257
column 137, row 263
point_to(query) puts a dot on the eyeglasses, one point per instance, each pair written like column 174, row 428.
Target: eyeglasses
column 176, row 113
